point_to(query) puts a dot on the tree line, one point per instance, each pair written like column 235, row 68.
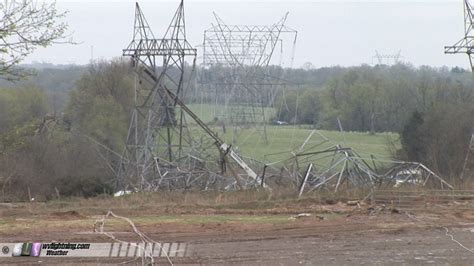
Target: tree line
column 376, row 99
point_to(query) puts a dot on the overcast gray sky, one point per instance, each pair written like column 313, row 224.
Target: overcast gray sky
column 330, row 33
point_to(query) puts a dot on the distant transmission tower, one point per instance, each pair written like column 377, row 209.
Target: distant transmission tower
column 238, row 79
column 387, row 59
column 466, row 44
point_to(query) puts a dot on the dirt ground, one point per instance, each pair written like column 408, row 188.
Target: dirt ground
column 335, row 234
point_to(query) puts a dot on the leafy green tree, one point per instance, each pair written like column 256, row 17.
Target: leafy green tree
column 101, row 103
column 439, row 137
column 21, row 106
column 310, row 107
column 383, row 98
column 106, row 122
column 302, row 107
column 412, row 138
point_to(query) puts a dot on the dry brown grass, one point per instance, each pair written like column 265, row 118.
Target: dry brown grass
column 254, row 201
column 466, row 184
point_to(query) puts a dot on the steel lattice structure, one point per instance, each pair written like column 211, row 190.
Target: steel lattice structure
column 466, row 44
column 162, row 150
column 320, row 164
column 388, row 59
column 154, row 120
column 235, row 45
column 245, row 87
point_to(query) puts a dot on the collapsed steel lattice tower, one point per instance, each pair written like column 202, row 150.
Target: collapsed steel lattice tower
column 237, row 45
column 154, row 120
column 245, row 87
column 162, row 150
column 466, row 44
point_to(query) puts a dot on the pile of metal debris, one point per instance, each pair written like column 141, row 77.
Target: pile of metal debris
column 330, row 166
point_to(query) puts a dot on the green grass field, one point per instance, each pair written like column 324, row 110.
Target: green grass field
column 282, row 140
column 207, row 112
column 289, row 138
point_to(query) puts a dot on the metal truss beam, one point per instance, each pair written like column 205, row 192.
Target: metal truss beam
column 465, row 45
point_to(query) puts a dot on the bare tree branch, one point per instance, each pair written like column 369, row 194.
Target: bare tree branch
column 26, row 25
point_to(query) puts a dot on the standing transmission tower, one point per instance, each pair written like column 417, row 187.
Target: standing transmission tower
column 387, row 59
column 466, row 44
column 162, row 150
column 237, row 76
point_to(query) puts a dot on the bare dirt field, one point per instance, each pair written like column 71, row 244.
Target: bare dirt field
column 255, row 234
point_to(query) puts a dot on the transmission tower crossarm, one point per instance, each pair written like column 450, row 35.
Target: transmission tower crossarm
column 158, row 47
column 466, row 44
